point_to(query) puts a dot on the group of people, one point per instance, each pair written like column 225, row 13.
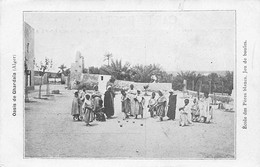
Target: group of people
column 133, row 104
column 199, row 111
column 87, row 107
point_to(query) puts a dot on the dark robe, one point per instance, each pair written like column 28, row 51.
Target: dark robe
column 172, row 107
column 109, row 103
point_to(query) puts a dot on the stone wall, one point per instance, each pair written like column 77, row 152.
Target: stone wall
column 119, row 85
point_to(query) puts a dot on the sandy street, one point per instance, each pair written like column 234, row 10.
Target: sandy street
column 51, row 132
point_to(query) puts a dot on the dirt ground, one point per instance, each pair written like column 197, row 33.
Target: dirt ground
column 51, row 132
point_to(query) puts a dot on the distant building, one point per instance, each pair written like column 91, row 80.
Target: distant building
column 77, row 68
column 77, row 75
column 29, row 56
column 53, row 77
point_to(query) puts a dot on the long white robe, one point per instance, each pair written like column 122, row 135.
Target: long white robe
column 185, row 116
column 140, row 106
column 206, row 109
column 134, row 104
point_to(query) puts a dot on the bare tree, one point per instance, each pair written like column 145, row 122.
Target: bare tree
column 43, row 68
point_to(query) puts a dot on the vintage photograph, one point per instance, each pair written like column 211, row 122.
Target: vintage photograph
column 130, row 84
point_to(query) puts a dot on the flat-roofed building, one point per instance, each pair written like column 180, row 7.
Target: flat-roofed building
column 29, row 56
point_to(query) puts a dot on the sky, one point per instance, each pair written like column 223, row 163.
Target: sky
column 187, row 40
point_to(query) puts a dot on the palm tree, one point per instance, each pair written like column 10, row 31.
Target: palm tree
column 213, row 78
column 228, row 81
column 117, row 69
column 191, row 77
column 67, row 72
column 62, row 68
column 188, row 76
column 107, row 57
column 143, row 73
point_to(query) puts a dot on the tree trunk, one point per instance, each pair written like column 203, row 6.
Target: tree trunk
column 26, row 94
column 40, row 88
column 214, row 98
column 48, row 86
column 47, row 89
column 68, row 82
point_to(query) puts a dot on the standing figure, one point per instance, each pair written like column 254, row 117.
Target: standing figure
column 96, row 97
column 126, row 104
column 185, row 114
column 82, row 97
column 109, row 102
column 206, row 114
column 139, row 101
column 131, row 94
column 100, row 115
column 195, row 111
column 75, row 109
column 152, row 105
column 88, row 110
column 161, row 105
column 111, row 83
column 172, row 105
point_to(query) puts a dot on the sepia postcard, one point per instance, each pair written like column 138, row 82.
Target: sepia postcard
column 106, row 83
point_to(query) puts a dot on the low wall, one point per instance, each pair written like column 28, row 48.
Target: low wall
column 217, row 97
column 37, row 80
column 119, row 85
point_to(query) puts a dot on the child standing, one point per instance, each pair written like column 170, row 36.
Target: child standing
column 195, row 111
column 100, row 115
column 88, row 110
column 75, row 109
column 126, row 104
column 151, row 105
column 140, row 104
column 185, row 114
